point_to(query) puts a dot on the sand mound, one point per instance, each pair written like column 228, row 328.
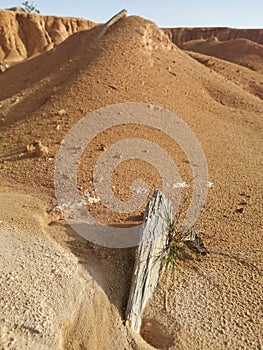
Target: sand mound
column 134, row 61
column 25, row 35
column 240, row 51
column 241, row 46
column 42, row 98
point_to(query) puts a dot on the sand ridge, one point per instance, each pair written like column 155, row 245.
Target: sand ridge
column 241, row 51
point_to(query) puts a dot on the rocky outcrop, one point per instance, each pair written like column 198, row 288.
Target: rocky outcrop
column 16, row 9
column 181, row 35
column 24, row 35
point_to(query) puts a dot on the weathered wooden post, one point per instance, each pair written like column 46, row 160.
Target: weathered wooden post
column 148, row 263
column 113, row 20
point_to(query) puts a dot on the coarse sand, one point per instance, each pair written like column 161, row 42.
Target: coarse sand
column 59, row 291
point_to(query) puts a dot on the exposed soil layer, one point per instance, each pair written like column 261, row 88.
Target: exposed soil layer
column 182, row 35
column 24, row 35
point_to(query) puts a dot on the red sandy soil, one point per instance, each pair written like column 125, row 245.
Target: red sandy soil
column 240, row 51
column 25, row 35
column 181, row 35
column 211, row 304
column 241, row 46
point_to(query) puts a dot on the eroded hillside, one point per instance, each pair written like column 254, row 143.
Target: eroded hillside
column 24, row 35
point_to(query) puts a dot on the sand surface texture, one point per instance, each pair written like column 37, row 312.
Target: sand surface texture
column 59, row 291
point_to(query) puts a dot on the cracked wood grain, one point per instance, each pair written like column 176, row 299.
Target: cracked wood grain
column 148, row 263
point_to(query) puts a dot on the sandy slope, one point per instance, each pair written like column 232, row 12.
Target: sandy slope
column 241, row 76
column 241, row 46
column 240, row 51
column 50, row 297
column 213, row 304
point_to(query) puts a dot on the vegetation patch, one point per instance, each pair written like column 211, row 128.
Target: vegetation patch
column 181, row 245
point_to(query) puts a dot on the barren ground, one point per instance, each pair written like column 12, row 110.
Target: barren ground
column 59, row 291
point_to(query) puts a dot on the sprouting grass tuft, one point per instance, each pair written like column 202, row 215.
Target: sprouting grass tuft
column 181, row 245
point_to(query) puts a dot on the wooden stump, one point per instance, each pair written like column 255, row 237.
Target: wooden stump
column 148, row 263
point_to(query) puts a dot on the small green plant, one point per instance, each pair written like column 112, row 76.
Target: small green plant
column 181, row 245
column 30, row 7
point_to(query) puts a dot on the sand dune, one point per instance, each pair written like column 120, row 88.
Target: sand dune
column 212, row 304
column 240, row 51
column 241, row 46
